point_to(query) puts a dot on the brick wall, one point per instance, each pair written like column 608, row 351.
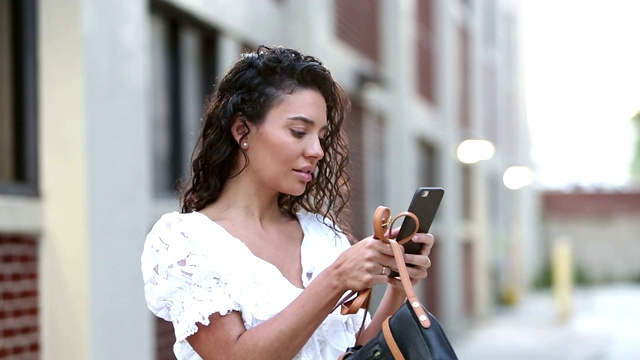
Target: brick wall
column 19, row 330
column 603, row 229
column 165, row 337
column 357, row 24
column 591, row 204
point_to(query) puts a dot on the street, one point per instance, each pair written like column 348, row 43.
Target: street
column 604, row 324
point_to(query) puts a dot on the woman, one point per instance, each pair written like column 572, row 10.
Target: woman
column 259, row 256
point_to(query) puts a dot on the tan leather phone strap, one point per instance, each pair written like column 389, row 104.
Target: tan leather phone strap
column 416, row 305
column 382, row 226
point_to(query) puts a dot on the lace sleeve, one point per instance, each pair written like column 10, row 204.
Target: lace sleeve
column 178, row 285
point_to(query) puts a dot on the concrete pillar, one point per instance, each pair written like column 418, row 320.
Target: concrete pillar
column 64, row 264
column 118, row 175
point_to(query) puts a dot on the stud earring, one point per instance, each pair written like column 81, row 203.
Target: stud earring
column 244, row 145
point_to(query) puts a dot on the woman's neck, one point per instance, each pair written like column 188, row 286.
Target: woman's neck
column 240, row 200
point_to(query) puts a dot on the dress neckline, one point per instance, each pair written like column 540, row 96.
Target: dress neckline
column 245, row 247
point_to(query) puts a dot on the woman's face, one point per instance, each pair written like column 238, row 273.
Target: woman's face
column 285, row 148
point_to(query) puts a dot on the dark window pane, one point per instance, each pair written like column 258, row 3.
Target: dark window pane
column 184, row 70
column 426, row 50
column 428, row 167
column 18, row 151
column 7, row 122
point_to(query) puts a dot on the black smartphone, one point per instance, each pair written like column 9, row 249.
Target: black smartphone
column 424, row 205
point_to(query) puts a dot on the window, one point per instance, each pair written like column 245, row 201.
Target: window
column 18, row 137
column 377, row 161
column 464, row 82
column 428, row 167
column 354, row 130
column 184, row 67
column 467, row 191
column 426, row 50
column 490, row 102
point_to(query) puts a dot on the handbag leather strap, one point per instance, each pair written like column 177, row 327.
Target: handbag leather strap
column 351, row 305
column 391, row 342
column 354, row 301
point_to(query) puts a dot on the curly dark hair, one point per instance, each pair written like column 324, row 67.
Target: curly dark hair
column 256, row 83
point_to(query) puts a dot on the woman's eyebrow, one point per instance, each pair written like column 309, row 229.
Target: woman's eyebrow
column 305, row 120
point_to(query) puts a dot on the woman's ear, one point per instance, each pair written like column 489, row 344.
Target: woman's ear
column 239, row 127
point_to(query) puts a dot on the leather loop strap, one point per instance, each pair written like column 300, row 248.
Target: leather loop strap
column 382, row 227
column 413, row 232
column 381, row 220
column 391, row 342
column 383, row 223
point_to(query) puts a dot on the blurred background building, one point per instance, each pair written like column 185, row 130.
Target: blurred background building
column 100, row 104
column 635, row 160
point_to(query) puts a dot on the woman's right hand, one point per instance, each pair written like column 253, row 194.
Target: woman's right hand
column 365, row 264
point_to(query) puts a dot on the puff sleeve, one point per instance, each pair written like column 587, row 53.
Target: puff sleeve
column 178, row 285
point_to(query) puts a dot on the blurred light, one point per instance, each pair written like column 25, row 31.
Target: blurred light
column 517, row 177
column 472, row 150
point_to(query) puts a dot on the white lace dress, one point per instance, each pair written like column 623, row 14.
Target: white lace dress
column 192, row 268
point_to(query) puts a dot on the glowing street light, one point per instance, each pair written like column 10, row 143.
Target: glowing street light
column 473, row 150
column 517, row 177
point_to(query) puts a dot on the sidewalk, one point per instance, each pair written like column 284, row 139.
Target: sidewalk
column 605, row 325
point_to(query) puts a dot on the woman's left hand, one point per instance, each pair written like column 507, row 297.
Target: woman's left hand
column 421, row 262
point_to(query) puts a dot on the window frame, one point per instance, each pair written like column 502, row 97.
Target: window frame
column 177, row 19
column 24, row 61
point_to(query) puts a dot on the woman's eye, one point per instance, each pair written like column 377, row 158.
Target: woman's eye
column 297, row 134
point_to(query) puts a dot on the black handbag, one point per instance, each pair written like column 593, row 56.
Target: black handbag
column 411, row 333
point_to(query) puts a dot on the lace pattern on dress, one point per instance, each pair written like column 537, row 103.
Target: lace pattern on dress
column 189, row 275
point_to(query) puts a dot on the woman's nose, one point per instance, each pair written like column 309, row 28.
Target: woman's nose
column 314, row 149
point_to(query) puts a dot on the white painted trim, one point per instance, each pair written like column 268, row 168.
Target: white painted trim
column 21, row 215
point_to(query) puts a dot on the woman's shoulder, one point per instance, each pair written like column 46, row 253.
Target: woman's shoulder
column 190, row 240
column 178, row 217
column 180, row 222
column 185, row 228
